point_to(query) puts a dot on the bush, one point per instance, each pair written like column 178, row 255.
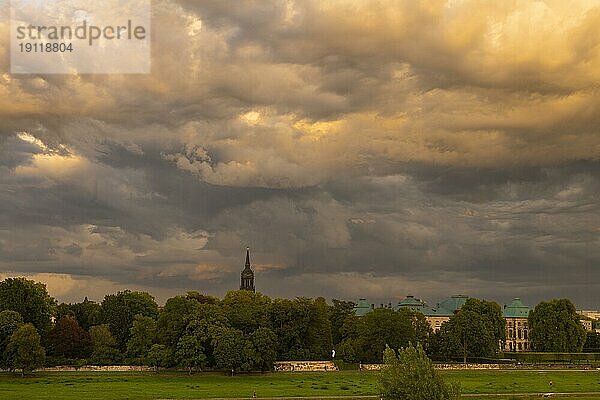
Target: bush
column 411, row 376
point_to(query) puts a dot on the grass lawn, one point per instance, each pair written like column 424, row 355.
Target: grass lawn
column 536, row 397
column 144, row 385
column 525, row 381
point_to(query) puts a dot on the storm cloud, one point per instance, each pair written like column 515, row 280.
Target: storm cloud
column 360, row 148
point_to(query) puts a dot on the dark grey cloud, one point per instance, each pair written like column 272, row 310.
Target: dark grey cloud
column 361, row 149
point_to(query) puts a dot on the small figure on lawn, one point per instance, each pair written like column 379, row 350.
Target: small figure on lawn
column 550, row 383
column 254, row 395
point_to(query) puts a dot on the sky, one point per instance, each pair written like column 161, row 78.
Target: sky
column 365, row 148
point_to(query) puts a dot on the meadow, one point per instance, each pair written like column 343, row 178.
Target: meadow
column 179, row 385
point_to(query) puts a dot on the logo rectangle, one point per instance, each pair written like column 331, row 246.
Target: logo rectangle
column 80, row 36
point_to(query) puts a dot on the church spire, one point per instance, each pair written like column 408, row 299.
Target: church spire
column 247, row 275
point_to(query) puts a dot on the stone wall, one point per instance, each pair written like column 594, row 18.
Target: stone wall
column 377, row 367
column 97, row 368
column 370, row 367
column 298, row 366
column 467, row 366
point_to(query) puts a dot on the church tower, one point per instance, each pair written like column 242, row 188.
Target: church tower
column 247, row 278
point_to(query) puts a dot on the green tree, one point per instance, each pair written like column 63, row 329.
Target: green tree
column 439, row 348
column 68, row 339
column 319, row 338
column 476, row 330
column 411, row 376
column 142, row 336
column 302, row 328
column 25, row 349
column 385, row 327
column 419, row 331
column 190, row 353
column 265, row 343
column 174, row 318
column 160, row 356
column 10, row 321
column 246, row 310
column 87, row 313
column 380, row 328
column 206, row 328
column 339, row 312
column 289, row 320
column 201, row 298
column 101, row 336
column 30, row 299
column 349, row 348
column 120, row 309
column 555, row 326
column 104, row 346
column 233, row 351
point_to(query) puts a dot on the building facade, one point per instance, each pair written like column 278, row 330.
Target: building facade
column 592, row 314
column 588, row 324
column 516, row 315
column 590, row 320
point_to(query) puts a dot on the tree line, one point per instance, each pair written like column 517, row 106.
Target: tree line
column 246, row 331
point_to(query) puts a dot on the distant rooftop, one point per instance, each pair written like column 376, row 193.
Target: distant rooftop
column 412, row 302
column 445, row 308
column 453, row 303
column 362, row 307
column 516, row 309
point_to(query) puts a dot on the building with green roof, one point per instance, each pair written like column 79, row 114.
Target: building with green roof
column 444, row 310
column 413, row 303
column 452, row 304
column 516, row 309
column 362, row 307
column 515, row 315
column 517, row 328
column 437, row 315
